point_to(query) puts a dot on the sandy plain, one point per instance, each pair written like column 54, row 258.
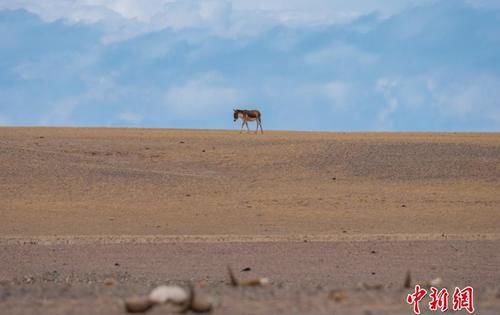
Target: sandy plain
column 314, row 212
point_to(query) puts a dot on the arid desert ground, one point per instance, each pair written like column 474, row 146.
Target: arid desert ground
column 91, row 216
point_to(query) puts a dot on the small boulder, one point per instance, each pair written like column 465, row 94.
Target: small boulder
column 168, row 294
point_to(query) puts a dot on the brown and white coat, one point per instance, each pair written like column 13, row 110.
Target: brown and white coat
column 246, row 116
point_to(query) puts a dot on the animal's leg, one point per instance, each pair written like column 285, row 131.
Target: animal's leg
column 260, row 124
column 242, row 125
column 248, row 128
column 257, row 126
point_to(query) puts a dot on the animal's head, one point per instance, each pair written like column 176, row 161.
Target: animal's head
column 236, row 114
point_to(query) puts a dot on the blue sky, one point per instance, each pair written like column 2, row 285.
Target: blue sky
column 366, row 65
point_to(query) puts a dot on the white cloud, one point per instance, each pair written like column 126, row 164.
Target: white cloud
column 386, row 87
column 299, row 12
column 199, row 97
column 475, row 97
column 50, row 68
column 484, row 4
column 98, row 89
column 339, row 92
column 123, row 19
column 410, row 92
column 25, row 71
column 341, row 54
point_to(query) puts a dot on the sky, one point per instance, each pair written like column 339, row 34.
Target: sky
column 327, row 65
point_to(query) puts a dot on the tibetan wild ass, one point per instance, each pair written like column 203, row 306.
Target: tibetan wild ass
column 246, row 116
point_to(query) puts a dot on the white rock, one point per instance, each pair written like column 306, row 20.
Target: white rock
column 264, row 281
column 436, row 282
column 168, row 294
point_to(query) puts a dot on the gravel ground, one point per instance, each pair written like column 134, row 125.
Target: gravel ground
column 306, row 278
column 334, row 220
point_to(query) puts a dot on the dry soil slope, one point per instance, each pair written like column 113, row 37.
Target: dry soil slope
column 283, row 185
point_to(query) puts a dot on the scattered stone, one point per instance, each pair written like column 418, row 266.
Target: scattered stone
column 374, row 252
column 185, row 300
column 338, row 295
column 403, row 206
column 197, row 303
column 407, row 283
column 138, row 304
column 334, row 178
column 254, row 282
column 29, row 279
column 109, row 282
column 169, row 294
column 246, row 269
column 117, row 264
column 437, row 282
column 246, row 282
column 50, row 276
column 234, row 282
